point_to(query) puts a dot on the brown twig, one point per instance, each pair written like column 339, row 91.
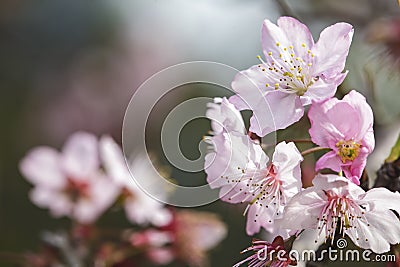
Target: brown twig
column 313, row 150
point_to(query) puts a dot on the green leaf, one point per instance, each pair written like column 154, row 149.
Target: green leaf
column 395, row 153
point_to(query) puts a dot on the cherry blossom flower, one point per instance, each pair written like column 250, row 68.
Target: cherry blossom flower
column 155, row 242
column 195, row 233
column 345, row 126
column 296, row 70
column 336, row 204
column 263, row 257
column 186, row 238
column 239, row 167
column 70, row 183
column 140, row 208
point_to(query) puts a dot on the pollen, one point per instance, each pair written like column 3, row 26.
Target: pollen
column 348, row 150
column 303, row 45
column 278, row 43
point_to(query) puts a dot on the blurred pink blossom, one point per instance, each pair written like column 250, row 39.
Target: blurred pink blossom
column 70, row 183
column 140, row 208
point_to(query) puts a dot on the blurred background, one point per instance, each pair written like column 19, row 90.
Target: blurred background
column 73, row 65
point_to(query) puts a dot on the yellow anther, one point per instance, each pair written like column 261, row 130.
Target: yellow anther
column 269, row 53
column 303, row 45
column 292, row 55
column 278, row 44
column 285, row 48
column 291, row 68
column 300, row 69
column 280, row 55
column 312, row 55
column 258, row 56
column 297, row 58
column 291, row 46
column 309, row 51
column 348, row 150
column 310, row 64
column 266, row 85
column 288, row 74
column 276, row 86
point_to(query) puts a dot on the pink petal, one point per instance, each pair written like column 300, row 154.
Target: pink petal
column 58, row 203
column 354, row 169
column 231, row 151
column 42, row 167
column 113, row 161
column 330, row 161
column 286, row 160
column 249, row 86
column 277, row 110
column 327, row 124
column 364, row 111
column 309, row 204
column 332, row 48
column 298, row 34
column 271, row 34
column 259, row 217
column 324, row 88
column 80, row 155
column 224, row 116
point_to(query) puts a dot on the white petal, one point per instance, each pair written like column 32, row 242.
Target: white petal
column 224, row 116
column 286, row 160
column 113, row 161
column 80, row 155
column 42, row 167
column 382, row 198
column 309, row 204
column 380, row 229
column 277, row 110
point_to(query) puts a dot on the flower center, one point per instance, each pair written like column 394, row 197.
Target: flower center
column 340, row 211
column 76, row 189
column 348, row 150
column 291, row 70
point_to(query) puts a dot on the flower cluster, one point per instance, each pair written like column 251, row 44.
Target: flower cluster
column 89, row 177
column 295, row 73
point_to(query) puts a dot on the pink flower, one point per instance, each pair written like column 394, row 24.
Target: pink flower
column 366, row 217
column 140, row 208
column 345, row 126
column 240, row 168
column 296, row 71
column 262, row 254
column 70, row 183
column 196, row 233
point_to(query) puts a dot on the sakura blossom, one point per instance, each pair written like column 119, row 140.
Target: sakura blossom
column 334, row 204
column 346, row 127
column 70, row 183
column 140, row 208
column 296, row 71
column 239, row 167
